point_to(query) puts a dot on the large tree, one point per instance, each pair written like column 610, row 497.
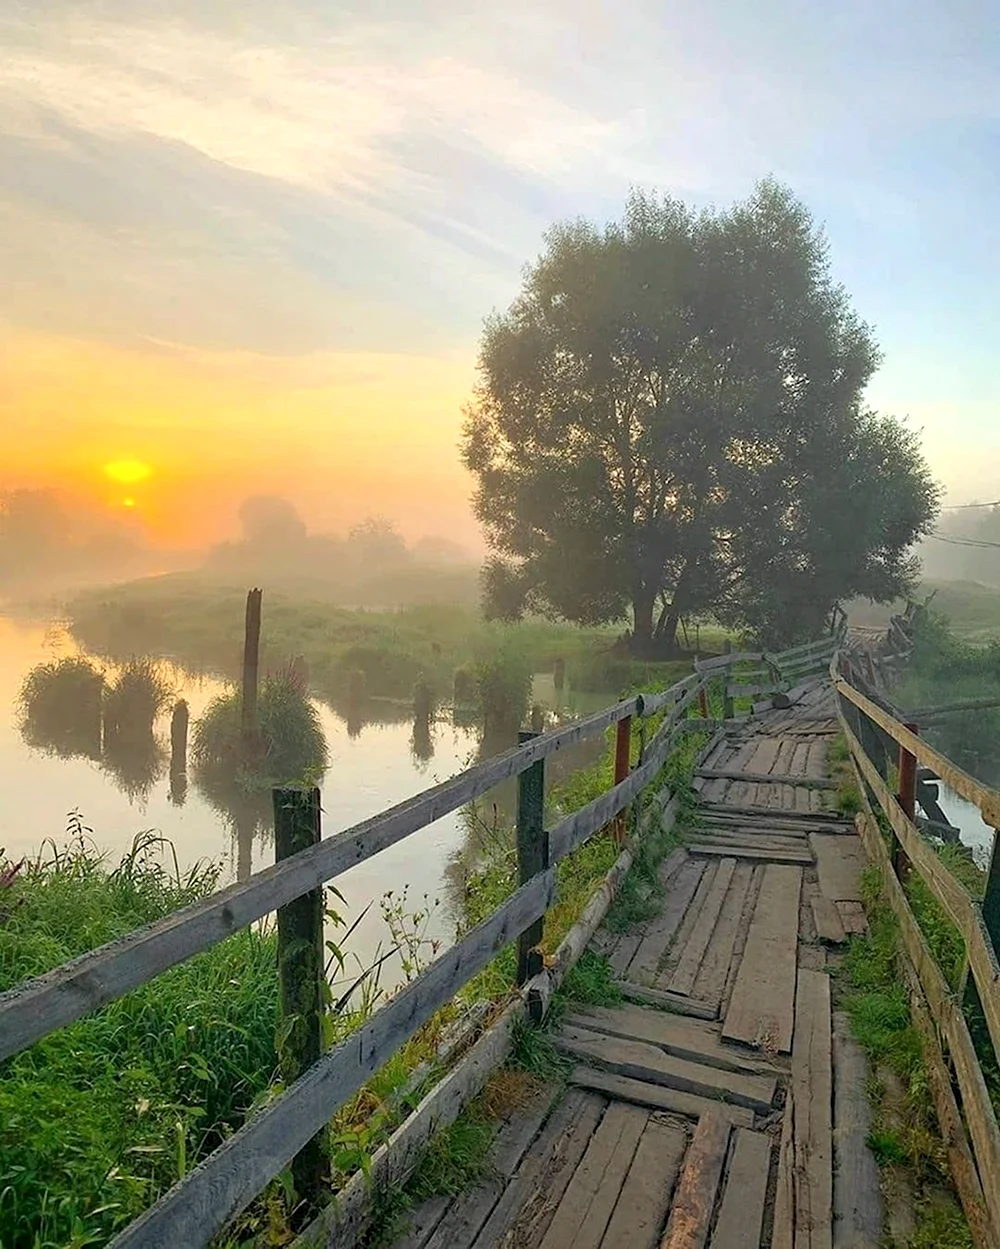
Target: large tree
column 657, row 413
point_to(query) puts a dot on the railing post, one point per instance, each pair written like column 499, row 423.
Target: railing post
column 907, row 799
column 532, row 854
column 623, row 760
column 300, row 972
column 991, row 897
column 703, row 703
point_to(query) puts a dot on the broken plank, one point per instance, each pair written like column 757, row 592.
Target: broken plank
column 686, row 971
column 812, row 1093
column 783, row 1231
column 761, row 1011
column 719, row 955
column 705, row 850
column 656, row 1096
column 839, row 863
column 684, row 1038
column 826, row 917
column 858, row 1208
column 660, row 998
column 691, row 1215
column 662, row 929
column 639, row 1060
column 591, row 1195
column 767, row 778
column 530, row 1199
column 852, row 916
column 649, row 1185
column 742, row 1211
column 775, row 813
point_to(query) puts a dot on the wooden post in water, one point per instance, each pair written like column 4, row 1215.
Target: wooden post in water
column 907, row 799
column 532, row 854
column 179, row 738
column 559, row 674
column 251, row 664
column 300, row 971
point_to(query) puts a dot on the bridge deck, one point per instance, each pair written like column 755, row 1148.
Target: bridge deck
column 701, row 1114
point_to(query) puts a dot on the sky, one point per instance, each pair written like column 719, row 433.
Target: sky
column 251, row 245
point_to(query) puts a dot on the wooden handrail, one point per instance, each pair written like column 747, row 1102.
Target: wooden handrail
column 985, row 798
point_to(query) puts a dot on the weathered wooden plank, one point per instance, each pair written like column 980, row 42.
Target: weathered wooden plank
column 693, row 914
column 667, row 1001
column 767, row 778
column 776, row 813
column 791, row 836
column 686, row 971
column 656, row 1096
column 40, row 1006
column 638, row 1060
column 742, row 1210
column 761, row 1010
column 751, row 840
column 589, row 1200
column 523, row 1213
column 662, row 930
column 691, row 1215
column 649, row 1185
column 704, row 849
column 718, row 957
column 858, row 1209
column 470, row 1210
column 226, row 1182
column 783, row 1231
column 826, row 917
column 839, row 863
column 423, row 1221
column 684, row 1038
column 812, row 1093
column 852, row 916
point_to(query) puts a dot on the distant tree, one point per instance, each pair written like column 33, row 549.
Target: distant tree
column 433, row 549
column 269, row 521
column 656, row 414
column 377, row 543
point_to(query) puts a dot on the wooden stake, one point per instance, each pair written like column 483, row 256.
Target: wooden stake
column 623, row 759
column 300, row 972
column 907, row 799
column 251, row 663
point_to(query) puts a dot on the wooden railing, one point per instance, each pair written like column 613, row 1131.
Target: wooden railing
column 229, row 1179
column 885, row 753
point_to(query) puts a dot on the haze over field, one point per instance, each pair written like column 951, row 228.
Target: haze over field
column 248, row 248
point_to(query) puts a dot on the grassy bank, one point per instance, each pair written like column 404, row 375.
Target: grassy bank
column 199, row 623
column 101, row 1117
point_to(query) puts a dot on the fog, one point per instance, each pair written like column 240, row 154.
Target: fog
column 56, row 542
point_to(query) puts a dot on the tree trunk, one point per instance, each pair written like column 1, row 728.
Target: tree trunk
column 642, row 631
column 668, row 636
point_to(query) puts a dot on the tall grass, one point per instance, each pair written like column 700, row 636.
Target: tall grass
column 101, row 1117
column 292, row 744
column 136, row 696
column 59, row 706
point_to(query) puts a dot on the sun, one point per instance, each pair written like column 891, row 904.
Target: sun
column 127, row 472
column 128, row 501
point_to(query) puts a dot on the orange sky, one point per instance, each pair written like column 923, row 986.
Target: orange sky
column 253, row 244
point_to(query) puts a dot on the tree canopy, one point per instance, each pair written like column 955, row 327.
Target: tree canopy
column 669, row 418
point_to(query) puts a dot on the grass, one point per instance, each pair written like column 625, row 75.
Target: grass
column 59, row 707
column 101, row 1117
column 292, row 746
column 199, row 622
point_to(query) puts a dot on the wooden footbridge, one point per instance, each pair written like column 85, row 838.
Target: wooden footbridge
column 722, row 1104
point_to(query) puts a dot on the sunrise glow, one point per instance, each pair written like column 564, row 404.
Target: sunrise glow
column 127, row 473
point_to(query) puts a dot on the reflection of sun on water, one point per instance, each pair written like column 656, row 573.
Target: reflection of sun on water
column 128, row 501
